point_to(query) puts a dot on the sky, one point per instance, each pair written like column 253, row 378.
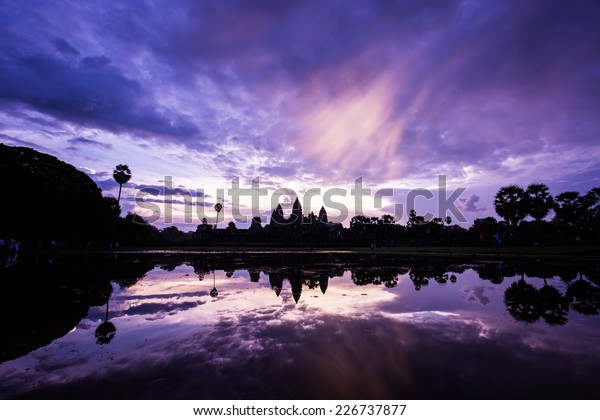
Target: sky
column 305, row 95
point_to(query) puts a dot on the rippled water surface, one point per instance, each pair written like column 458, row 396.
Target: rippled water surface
column 285, row 325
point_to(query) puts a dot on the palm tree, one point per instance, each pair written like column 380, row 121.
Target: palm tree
column 568, row 207
column 509, row 203
column 539, row 201
column 218, row 208
column 121, row 174
column 590, row 203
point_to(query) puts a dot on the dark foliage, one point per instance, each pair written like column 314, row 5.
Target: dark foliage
column 45, row 199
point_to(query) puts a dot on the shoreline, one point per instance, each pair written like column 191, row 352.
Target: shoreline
column 583, row 252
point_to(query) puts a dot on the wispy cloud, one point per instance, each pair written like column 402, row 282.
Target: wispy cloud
column 82, row 141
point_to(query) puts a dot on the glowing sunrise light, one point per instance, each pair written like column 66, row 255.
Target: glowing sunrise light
column 352, row 129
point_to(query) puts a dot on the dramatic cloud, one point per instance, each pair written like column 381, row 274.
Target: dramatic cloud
column 88, row 93
column 310, row 94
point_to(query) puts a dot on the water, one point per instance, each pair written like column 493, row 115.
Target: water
column 288, row 325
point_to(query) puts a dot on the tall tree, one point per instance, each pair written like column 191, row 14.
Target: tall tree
column 509, row 203
column 539, row 201
column 591, row 206
column 568, row 207
column 121, row 174
column 218, row 208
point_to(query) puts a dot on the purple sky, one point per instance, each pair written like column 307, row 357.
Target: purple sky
column 309, row 94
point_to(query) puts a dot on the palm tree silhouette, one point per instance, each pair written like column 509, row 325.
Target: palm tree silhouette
column 567, row 207
column 121, row 174
column 509, row 203
column 218, row 208
column 539, row 201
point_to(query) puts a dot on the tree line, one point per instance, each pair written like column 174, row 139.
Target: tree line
column 52, row 203
column 528, row 216
column 576, row 216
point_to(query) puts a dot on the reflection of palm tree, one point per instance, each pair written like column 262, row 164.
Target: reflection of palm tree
column 214, row 292
column 522, row 301
column 584, row 297
column 106, row 331
column 121, row 174
column 554, row 306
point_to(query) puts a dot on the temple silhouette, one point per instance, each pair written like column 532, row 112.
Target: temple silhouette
column 296, row 228
column 297, row 218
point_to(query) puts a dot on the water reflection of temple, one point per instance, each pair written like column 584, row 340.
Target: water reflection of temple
column 293, row 276
column 534, row 291
column 299, row 277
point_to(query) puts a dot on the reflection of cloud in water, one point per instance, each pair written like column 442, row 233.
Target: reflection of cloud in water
column 476, row 294
column 347, row 343
column 426, row 355
column 154, row 308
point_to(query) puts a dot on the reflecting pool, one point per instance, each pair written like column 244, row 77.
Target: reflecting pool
column 298, row 325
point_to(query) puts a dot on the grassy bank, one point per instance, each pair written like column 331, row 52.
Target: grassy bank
column 545, row 252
